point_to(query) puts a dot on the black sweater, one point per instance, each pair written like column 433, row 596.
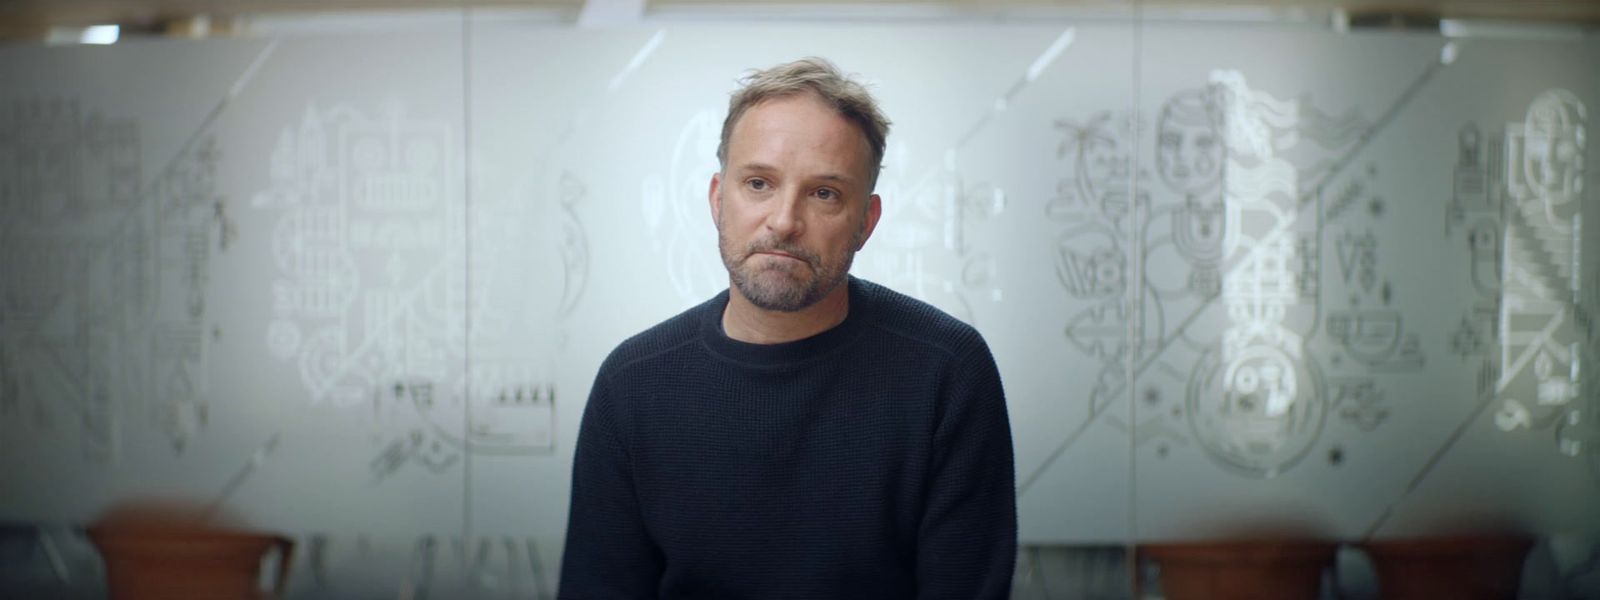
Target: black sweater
column 872, row 460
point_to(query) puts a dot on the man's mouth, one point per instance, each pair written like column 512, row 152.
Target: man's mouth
column 780, row 254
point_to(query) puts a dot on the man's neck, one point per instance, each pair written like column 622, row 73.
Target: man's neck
column 752, row 324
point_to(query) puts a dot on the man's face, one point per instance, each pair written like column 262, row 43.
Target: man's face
column 793, row 203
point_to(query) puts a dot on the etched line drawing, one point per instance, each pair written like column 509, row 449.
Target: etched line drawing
column 1540, row 343
column 1376, row 338
column 536, row 567
column 1476, row 188
column 1258, row 412
column 1280, row 280
column 1360, row 402
column 1358, row 257
column 1355, row 191
column 1089, row 262
column 1474, row 209
column 676, row 212
column 1101, row 163
column 369, row 242
column 1543, row 188
column 106, row 278
column 1469, row 338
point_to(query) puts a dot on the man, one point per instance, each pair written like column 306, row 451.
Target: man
column 804, row 434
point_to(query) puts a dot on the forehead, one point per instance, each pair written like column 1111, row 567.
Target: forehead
column 1185, row 123
column 795, row 129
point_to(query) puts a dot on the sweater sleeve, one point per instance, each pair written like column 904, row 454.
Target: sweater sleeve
column 968, row 536
column 609, row 554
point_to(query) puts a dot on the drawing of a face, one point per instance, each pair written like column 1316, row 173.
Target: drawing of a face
column 1552, row 152
column 1189, row 149
column 1104, row 162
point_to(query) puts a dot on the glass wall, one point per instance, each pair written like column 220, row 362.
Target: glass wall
column 1242, row 280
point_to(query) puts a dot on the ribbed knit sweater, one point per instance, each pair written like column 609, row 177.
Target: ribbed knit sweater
column 872, row 460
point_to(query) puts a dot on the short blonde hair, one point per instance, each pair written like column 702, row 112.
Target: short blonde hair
column 819, row 76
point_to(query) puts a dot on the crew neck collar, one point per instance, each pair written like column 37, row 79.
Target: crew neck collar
column 784, row 353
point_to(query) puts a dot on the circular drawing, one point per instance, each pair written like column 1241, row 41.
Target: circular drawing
column 1258, row 411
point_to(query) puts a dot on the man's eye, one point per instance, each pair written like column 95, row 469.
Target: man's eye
column 757, row 184
column 827, row 194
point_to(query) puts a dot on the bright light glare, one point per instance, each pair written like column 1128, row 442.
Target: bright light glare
column 100, row 34
column 1050, row 54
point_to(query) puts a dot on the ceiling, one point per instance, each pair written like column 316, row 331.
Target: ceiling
column 33, row 19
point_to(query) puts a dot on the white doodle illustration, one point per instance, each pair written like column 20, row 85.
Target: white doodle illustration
column 678, row 214
column 1541, row 344
column 103, row 289
column 1219, row 241
column 370, row 299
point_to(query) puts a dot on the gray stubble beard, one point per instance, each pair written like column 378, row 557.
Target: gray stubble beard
column 782, row 298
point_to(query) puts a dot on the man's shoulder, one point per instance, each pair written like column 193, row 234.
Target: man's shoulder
column 661, row 338
column 916, row 321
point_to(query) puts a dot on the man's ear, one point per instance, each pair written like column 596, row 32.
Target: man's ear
column 715, row 197
column 874, row 210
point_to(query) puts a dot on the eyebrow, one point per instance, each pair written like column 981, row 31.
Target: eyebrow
column 760, row 167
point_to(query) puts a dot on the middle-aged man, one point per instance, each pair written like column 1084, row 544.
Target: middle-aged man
column 804, row 434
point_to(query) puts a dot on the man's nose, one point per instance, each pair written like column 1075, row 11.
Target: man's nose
column 787, row 217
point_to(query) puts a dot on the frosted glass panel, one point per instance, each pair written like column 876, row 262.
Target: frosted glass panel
column 1238, row 279
column 357, row 201
column 235, row 275
column 593, row 154
column 1393, row 337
